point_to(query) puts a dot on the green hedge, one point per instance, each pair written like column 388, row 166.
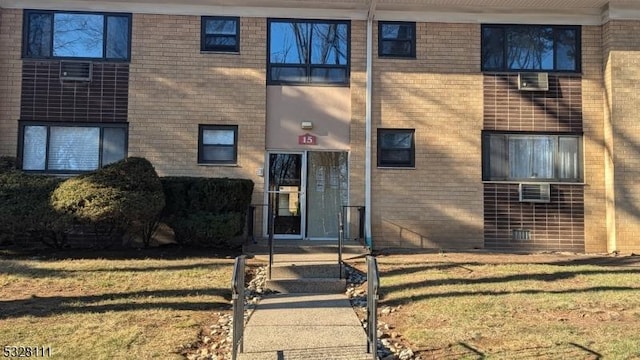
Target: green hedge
column 117, row 198
column 125, row 197
column 26, row 213
column 206, row 211
column 7, row 163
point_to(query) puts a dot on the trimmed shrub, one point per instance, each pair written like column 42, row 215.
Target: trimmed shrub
column 7, row 163
column 205, row 228
column 124, row 195
column 26, row 213
column 206, row 211
column 214, row 195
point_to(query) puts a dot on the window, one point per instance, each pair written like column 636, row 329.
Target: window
column 70, row 147
column 397, row 39
column 52, row 34
column 217, row 144
column 528, row 157
column 396, row 148
column 220, row 34
column 530, row 47
column 303, row 52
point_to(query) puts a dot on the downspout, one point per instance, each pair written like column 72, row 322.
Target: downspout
column 368, row 120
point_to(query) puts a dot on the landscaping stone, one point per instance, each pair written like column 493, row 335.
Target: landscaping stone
column 389, row 344
column 216, row 345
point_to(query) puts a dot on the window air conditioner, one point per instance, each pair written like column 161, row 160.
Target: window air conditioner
column 535, row 192
column 75, row 70
column 533, row 81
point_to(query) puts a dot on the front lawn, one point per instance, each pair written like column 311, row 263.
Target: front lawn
column 125, row 306
column 477, row 306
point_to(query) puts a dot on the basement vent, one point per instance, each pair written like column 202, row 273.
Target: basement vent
column 75, row 70
column 521, row 234
column 535, row 192
column 533, row 81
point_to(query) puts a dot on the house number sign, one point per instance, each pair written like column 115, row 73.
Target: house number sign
column 307, row 139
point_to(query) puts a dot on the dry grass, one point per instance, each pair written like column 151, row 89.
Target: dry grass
column 97, row 308
column 467, row 306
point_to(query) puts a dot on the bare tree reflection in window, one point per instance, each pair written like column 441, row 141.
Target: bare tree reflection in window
column 329, row 44
column 39, row 38
column 284, row 169
column 566, row 49
column 117, row 37
column 530, row 47
column 78, row 35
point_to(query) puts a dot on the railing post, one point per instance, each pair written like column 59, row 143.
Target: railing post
column 237, row 294
column 373, row 282
column 361, row 215
column 251, row 215
column 340, row 239
column 270, row 224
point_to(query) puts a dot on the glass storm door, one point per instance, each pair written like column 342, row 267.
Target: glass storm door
column 285, row 194
column 327, row 191
column 307, row 191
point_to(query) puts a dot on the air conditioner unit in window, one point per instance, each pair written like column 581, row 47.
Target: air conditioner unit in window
column 75, row 70
column 535, row 192
column 533, row 81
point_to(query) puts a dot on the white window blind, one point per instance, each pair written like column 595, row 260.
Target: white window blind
column 74, row 148
column 35, row 147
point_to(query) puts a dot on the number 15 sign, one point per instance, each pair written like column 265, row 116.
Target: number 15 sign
column 307, row 139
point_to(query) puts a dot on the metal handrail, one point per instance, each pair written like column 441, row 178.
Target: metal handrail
column 361, row 215
column 270, row 227
column 251, row 218
column 340, row 241
column 373, row 283
column 237, row 294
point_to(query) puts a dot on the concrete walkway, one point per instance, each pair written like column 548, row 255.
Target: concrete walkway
column 304, row 326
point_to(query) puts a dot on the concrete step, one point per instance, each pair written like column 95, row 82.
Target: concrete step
column 323, row 353
column 305, row 270
column 305, row 247
column 308, row 285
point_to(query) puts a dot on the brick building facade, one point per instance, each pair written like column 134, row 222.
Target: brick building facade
column 417, row 111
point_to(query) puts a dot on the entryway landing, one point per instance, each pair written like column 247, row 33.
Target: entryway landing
column 305, row 266
column 295, row 251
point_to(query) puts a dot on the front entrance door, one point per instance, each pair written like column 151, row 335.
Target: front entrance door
column 307, row 191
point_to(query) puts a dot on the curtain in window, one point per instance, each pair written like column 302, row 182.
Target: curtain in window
column 568, row 165
column 35, row 147
column 531, row 158
column 74, row 148
column 113, row 145
column 218, row 145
